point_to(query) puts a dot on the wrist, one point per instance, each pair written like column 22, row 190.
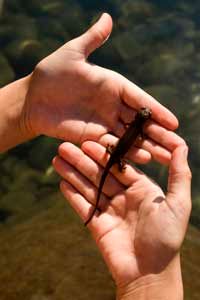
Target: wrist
column 13, row 129
column 162, row 286
column 24, row 117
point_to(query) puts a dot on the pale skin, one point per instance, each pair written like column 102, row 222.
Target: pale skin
column 68, row 98
column 139, row 230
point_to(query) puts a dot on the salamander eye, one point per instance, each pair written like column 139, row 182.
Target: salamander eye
column 145, row 112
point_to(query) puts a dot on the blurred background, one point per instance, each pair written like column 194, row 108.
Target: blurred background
column 45, row 252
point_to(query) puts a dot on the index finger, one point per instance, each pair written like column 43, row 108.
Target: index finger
column 136, row 98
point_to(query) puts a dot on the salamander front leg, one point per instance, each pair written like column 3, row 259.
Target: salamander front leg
column 122, row 165
column 142, row 136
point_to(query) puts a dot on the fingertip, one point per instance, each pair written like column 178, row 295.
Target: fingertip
column 106, row 14
column 163, row 115
column 56, row 162
column 67, row 149
column 62, row 148
column 168, row 119
column 146, row 159
column 53, row 160
column 140, row 156
column 105, row 17
column 109, row 20
column 87, row 146
column 176, row 123
column 96, row 35
column 173, row 122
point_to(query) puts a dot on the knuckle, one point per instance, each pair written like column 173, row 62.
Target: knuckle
column 99, row 34
column 183, row 173
column 181, row 141
column 188, row 174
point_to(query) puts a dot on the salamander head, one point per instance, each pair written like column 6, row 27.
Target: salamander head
column 145, row 113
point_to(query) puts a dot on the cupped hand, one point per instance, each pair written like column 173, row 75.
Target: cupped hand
column 138, row 229
column 70, row 99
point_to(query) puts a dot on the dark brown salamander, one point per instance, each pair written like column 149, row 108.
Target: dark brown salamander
column 118, row 152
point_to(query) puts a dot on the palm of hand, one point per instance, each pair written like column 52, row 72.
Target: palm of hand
column 76, row 101
column 138, row 236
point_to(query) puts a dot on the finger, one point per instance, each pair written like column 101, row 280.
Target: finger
column 179, row 182
column 135, row 154
column 164, row 137
column 96, row 35
column 158, row 153
column 159, row 145
column 76, row 200
column 79, row 182
column 137, row 98
column 144, row 149
column 98, row 153
column 84, row 209
column 84, row 173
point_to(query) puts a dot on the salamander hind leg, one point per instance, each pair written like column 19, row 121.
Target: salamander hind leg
column 110, row 149
column 126, row 125
column 122, row 165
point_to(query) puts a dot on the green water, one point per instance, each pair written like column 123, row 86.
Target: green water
column 156, row 45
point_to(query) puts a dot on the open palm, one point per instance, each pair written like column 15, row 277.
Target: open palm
column 138, row 229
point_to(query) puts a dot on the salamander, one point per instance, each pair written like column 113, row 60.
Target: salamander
column 117, row 153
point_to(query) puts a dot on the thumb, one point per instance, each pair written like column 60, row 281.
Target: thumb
column 96, row 35
column 179, row 181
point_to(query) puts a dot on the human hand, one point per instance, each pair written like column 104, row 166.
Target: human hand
column 70, row 99
column 139, row 230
